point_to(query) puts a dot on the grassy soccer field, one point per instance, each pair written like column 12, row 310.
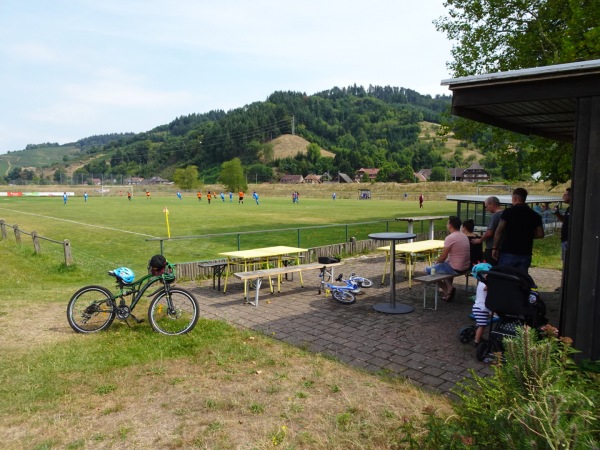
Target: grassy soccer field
column 217, row 387
column 108, row 231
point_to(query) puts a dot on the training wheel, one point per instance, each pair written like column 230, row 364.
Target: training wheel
column 466, row 334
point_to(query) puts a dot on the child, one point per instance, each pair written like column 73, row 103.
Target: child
column 480, row 312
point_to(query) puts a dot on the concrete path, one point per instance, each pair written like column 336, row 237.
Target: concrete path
column 422, row 346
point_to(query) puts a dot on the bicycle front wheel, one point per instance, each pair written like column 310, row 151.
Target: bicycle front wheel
column 343, row 296
column 173, row 312
column 91, row 309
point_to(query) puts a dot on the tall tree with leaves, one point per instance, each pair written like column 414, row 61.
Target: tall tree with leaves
column 187, row 178
column 500, row 35
column 232, row 176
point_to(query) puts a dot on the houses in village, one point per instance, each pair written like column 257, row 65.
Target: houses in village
column 472, row 174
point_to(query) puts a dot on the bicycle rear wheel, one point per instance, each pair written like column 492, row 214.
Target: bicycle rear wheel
column 175, row 312
column 91, row 309
column 343, row 296
column 363, row 282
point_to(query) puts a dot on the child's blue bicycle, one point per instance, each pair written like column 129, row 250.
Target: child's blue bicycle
column 343, row 294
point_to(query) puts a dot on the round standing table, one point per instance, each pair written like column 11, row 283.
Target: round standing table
column 392, row 307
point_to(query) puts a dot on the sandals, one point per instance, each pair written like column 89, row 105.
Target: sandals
column 448, row 298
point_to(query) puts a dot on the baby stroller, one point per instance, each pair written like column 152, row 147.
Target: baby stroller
column 512, row 296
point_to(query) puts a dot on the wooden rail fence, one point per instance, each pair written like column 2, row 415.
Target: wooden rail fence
column 36, row 240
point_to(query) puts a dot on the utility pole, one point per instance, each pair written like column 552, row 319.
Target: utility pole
column 293, row 125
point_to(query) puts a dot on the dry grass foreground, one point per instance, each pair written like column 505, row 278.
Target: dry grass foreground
column 276, row 396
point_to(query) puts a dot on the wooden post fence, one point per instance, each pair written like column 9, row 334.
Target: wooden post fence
column 36, row 240
column 17, row 233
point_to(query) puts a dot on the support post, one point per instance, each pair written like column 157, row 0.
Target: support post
column 36, row 242
column 17, row 233
column 68, row 255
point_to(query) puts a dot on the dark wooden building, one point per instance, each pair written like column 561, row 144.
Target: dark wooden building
column 560, row 102
column 475, row 173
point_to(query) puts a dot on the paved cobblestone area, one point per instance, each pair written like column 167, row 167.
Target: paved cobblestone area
column 422, row 346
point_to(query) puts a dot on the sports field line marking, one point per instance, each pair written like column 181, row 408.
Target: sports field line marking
column 80, row 223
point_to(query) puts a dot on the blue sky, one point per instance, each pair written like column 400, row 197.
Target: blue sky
column 70, row 69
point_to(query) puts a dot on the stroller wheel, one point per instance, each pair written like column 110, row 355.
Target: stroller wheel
column 483, row 351
column 486, row 350
column 466, row 334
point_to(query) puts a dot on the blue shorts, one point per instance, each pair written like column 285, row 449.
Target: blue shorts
column 441, row 268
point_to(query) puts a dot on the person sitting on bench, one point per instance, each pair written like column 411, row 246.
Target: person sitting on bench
column 455, row 258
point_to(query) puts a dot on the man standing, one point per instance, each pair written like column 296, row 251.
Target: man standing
column 518, row 227
column 492, row 205
column 564, row 218
column 421, row 198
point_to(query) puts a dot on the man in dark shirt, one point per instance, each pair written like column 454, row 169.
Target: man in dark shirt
column 518, row 227
column 492, row 205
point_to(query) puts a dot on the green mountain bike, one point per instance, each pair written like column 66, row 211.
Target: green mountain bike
column 172, row 310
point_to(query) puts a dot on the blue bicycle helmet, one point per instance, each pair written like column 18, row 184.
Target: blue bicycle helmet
column 125, row 274
column 479, row 267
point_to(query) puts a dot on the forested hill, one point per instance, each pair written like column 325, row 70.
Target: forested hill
column 373, row 127
column 363, row 127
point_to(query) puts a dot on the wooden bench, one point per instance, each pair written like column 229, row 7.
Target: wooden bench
column 430, row 279
column 258, row 275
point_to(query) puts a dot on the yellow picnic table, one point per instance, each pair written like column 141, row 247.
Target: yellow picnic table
column 409, row 251
column 261, row 256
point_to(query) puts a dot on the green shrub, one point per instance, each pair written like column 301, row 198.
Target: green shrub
column 537, row 398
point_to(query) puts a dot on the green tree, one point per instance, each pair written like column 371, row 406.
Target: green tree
column 14, row 174
column 500, row 35
column 259, row 172
column 392, row 171
column 232, row 176
column 439, row 173
column 266, row 152
column 59, row 176
column 313, row 153
column 186, row 178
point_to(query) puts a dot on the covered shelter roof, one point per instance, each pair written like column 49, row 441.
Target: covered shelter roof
column 559, row 102
column 539, row 101
column 504, row 199
column 472, row 206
